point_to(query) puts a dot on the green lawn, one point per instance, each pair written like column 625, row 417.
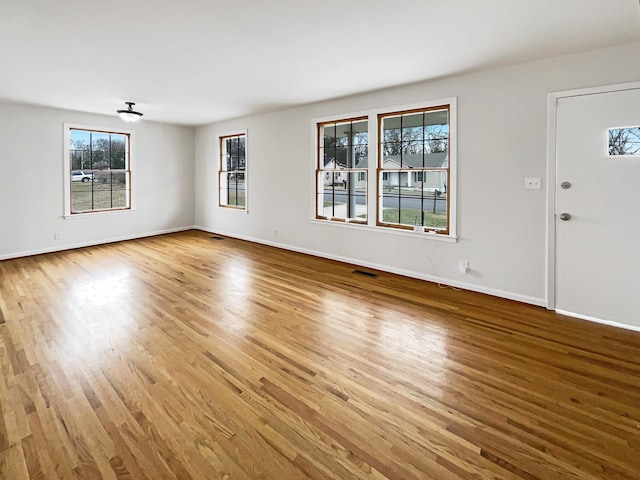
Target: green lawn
column 413, row 217
column 87, row 196
column 408, row 217
column 236, row 200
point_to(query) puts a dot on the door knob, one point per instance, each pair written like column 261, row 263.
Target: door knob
column 566, row 185
column 565, row 217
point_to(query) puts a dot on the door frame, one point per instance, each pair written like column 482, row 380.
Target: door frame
column 552, row 161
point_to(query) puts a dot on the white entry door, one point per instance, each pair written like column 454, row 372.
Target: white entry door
column 598, row 207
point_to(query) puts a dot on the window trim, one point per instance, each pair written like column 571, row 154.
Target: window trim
column 221, row 136
column 66, row 176
column 372, row 193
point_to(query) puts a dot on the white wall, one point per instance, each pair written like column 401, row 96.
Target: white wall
column 31, row 181
column 502, row 135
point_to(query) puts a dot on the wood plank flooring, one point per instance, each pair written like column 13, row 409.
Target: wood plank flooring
column 182, row 356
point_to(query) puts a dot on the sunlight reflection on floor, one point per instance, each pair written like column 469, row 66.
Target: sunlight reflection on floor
column 99, row 314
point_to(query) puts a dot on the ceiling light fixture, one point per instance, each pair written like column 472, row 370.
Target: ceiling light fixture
column 129, row 115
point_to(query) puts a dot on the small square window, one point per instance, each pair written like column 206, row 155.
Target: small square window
column 624, row 141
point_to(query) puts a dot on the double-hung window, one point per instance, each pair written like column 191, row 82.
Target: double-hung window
column 233, row 171
column 414, row 169
column 99, row 170
column 341, row 172
column 410, row 177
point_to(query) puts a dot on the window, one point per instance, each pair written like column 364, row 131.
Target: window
column 232, row 173
column 410, row 182
column 98, row 166
column 341, row 173
column 624, row 141
column 414, row 169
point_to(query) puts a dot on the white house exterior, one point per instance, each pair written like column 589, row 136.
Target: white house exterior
column 422, row 178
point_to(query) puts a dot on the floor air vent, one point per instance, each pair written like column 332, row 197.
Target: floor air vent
column 216, row 237
column 366, row 274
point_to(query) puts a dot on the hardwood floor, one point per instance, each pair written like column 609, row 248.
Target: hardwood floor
column 182, row 356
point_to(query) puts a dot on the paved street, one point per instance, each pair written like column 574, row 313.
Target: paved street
column 409, row 202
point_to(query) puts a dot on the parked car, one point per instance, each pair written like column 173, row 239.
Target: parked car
column 80, row 176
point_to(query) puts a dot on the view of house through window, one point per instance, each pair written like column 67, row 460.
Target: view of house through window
column 232, row 172
column 414, row 169
column 342, row 162
column 100, row 177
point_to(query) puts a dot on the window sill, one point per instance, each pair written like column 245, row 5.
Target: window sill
column 73, row 216
column 387, row 230
column 231, row 208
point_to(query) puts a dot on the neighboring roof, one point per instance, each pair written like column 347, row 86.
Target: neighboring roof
column 328, row 160
column 361, row 162
column 430, row 160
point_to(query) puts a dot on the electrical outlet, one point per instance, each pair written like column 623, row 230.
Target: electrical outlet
column 533, row 183
column 57, row 236
column 275, row 232
column 463, row 266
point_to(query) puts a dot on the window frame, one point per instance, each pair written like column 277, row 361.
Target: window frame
column 68, row 212
column 222, row 170
column 319, row 170
column 381, row 171
column 372, row 175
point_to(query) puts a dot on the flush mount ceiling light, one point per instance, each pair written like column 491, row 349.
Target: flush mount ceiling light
column 129, row 115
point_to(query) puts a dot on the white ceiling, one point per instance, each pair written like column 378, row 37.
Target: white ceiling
column 198, row 61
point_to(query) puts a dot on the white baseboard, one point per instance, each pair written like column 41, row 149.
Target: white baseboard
column 626, row 326
column 71, row 246
column 385, row 268
column 540, row 302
